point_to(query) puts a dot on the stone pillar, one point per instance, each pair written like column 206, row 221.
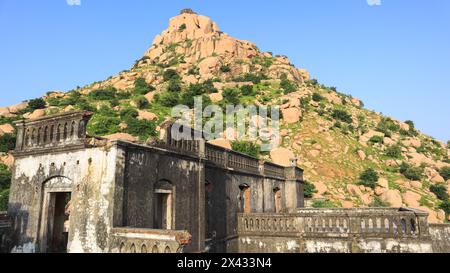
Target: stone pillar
column 20, row 140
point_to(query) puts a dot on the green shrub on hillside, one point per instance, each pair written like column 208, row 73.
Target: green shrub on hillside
column 376, row 139
column 103, row 94
column 394, row 151
column 309, row 189
column 34, row 104
column 410, row 172
column 288, row 86
column 387, row 126
column 412, row 130
column 247, row 90
column 182, row 28
column 319, row 204
column 167, row 99
column 141, row 102
column 342, row 115
column 141, row 128
column 317, row 97
column 128, row 113
column 369, row 178
column 445, row 206
column 378, row 203
column 440, row 190
column 84, row 105
column 5, row 177
column 170, row 74
column 141, row 87
column 445, row 173
column 246, row 147
column 101, row 125
column 7, row 143
column 225, row 69
column 174, row 86
column 231, row 96
column 249, row 77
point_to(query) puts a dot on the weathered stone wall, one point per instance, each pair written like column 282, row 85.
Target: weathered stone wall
column 337, row 231
column 88, row 173
column 440, row 235
column 144, row 168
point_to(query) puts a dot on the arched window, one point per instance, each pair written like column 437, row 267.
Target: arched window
column 413, row 226
column 66, row 129
column 52, row 132
column 277, row 200
column 155, row 249
column 403, row 221
column 27, row 137
column 33, row 136
column 245, row 198
column 45, row 134
column 167, row 250
column 72, row 129
column 163, row 205
column 39, row 135
column 143, row 249
column 58, row 133
column 81, row 128
column 133, row 249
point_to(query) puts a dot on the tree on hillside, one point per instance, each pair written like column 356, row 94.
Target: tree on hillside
column 369, row 178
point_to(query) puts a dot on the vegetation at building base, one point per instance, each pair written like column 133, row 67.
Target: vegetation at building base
column 5, row 182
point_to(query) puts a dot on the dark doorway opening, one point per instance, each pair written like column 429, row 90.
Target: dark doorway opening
column 58, row 229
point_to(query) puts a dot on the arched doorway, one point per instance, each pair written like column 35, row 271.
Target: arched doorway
column 55, row 215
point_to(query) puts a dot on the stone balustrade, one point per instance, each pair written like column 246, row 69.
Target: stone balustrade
column 132, row 240
column 376, row 222
column 66, row 129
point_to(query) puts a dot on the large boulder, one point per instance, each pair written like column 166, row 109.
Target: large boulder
column 371, row 133
column 412, row 142
column 362, row 154
column 411, row 199
column 291, row 115
column 121, row 136
column 7, row 159
column 149, row 96
column 144, row 115
column 282, row 156
column 216, row 97
column 6, row 129
column 14, row 109
column 393, row 197
column 383, row 182
column 35, row 114
column 208, row 65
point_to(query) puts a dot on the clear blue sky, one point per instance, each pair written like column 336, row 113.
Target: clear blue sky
column 395, row 56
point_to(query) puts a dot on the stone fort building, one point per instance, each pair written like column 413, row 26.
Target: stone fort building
column 75, row 193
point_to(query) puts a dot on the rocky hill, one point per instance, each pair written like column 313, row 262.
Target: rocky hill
column 353, row 157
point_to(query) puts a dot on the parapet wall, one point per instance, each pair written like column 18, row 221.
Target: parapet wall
column 336, row 231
